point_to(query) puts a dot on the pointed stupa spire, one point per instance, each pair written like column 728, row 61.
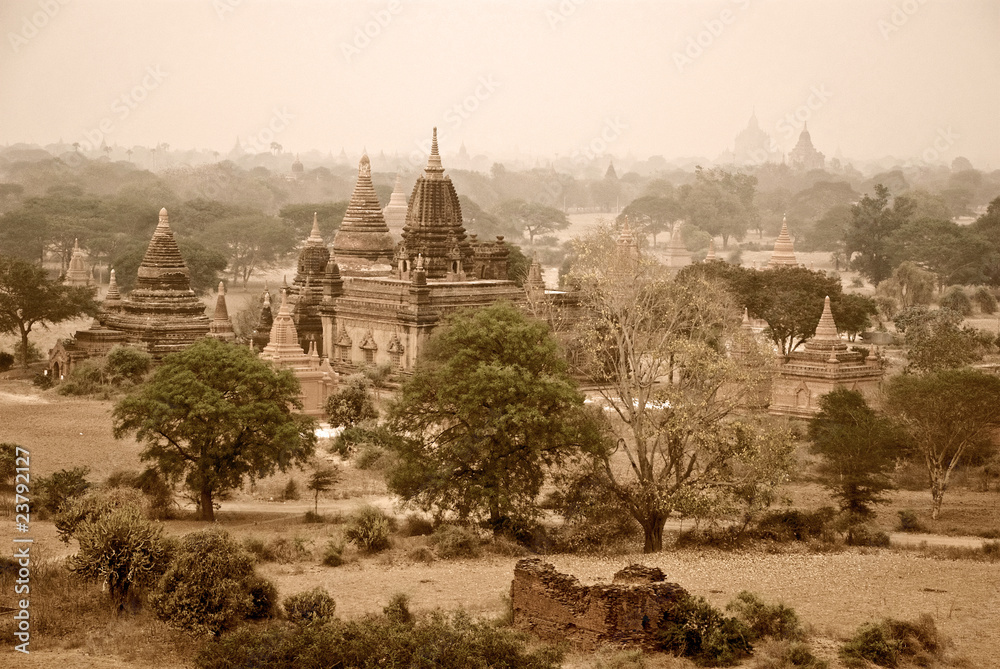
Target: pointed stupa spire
column 315, row 236
column 221, row 327
column 535, row 283
column 826, row 329
column 363, row 236
column 164, row 219
column 677, row 254
column 112, row 298
column 283, row 343
column 784, row 253
column 710, row 257
column 76, row 273
column 746, row 318
column 434, row 168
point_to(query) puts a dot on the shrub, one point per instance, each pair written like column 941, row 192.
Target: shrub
column 87, row 378
column 263, row 596
column 126, row 364
column 93, row 506
column 310, row 606
column 259, row 550
column 909, row 522
column 291, row 490
column 207, row 587
column 457, row 641
column 398, row 609
column 122, row 550
column 34, row 354
column 333, row 554
column 766, row 620
column 983, row 297
column 6, row 361
column 283, row 550
column 159, row 493
column 693, row 628
column 312, row 517
column 866, row 535
column 352, row 404
column 416, row 526
column 370, row 457
column 43, row 380
column 779, row 654
column 454, row 541
column 795, row 525
column 369, row 529
column 889, row 642
column 956, row 300
column 53, row 492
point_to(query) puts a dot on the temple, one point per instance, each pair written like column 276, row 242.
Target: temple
column 160, row 315
column 823, row 365
column 753, row 146
column 805, row 156
column 784, row 253
column 77, row 274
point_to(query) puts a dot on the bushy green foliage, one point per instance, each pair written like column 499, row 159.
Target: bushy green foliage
column 795, row 525
column 956, row 300
column 594, row 519
column 291, row 490
column 455, row 641
column 8, row 462
column 766, row 620
column 691, row 627
column 909, row 522
column 352, row 404
column 87, row 378
column 456, row 541
column 780, row 654
column 983, row 297
column 865, row 534
column 369, row 529
column 263, row 598
column 398, row 608
column 159, row 493
column 309, row 606
column 206, row 589
column 126, row 364
column 333, row 553
column 53, row 492
column 121, row 549
column 96, row 504
column 890, row 642
column 6, row 361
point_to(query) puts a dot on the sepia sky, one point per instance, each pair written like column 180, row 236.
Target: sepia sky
column 910, row 78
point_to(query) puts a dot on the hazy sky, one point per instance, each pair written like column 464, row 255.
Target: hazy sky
column 911, row 78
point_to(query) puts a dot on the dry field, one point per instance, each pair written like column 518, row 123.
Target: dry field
column 832, row 592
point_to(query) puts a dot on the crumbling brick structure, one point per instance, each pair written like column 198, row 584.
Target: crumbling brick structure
column 556, row 607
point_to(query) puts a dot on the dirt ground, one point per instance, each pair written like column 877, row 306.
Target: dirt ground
column 833, row 593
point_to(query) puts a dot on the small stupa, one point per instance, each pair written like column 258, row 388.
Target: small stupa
column 395, row 211
column 363, row 245
column 77, row 274
column 710, row 256
column 784, row 253
column 221, row 327
column 677, row 254
column 823, row 364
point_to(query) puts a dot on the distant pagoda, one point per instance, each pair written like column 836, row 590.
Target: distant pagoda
column 784, row 253
column 395, row 211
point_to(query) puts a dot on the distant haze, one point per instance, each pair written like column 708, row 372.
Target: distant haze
column 907, row 78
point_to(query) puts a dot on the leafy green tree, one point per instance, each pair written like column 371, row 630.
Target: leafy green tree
column 490, row 407
column 657, row 349
column 853, row 313
column 869, row 236
column 653, row 214
column 532, row 218
column 207, row 587
column 484, row 224
column 955, row 253
column 251, row 243
column 721, row 203
column 352, row 404
column 859, row 449
column 328, row 214
column 936, row 339
column 54, row 492
column 122, row 550
column 945, row 414
column 29, row 298
column 323, row 478
column 214, row 414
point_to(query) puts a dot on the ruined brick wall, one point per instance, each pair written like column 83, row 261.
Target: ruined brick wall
column 556, row 607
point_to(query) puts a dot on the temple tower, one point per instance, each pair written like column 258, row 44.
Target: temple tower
column 395, row 211
column 805, row 156
column 784, row 253
column 77, row 274
column 363, row 243
column 823, row 364
column 434, row 224
column 161, row 313
column 677, row 254
column 221, row 327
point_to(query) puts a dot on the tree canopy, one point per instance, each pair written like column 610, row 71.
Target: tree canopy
column 29, row 298
column 945, row 415
column 489, row 408
column 531, row 217
column 677, row 374
column 869, row 235
column 859, row 449
column 214, row 414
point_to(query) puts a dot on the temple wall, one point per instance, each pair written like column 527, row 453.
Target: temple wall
column 557, row 608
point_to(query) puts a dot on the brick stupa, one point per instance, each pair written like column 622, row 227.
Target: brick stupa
column 363, row 244
column 161, row 314
column 823, row 364
column 784, row 253
column 77, row 274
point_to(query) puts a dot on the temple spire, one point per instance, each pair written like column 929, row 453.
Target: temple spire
column 784, row 252
column 315, row 236
column 826, row 329
column 434, row 166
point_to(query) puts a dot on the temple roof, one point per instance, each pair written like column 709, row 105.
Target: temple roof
column 76, row 274
column 826, row 337
column 313, row 256
column 363, row 235
column 434, row 220
column 283, row 347
column 221, row 327
column 784, row 253
column 162, row 267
